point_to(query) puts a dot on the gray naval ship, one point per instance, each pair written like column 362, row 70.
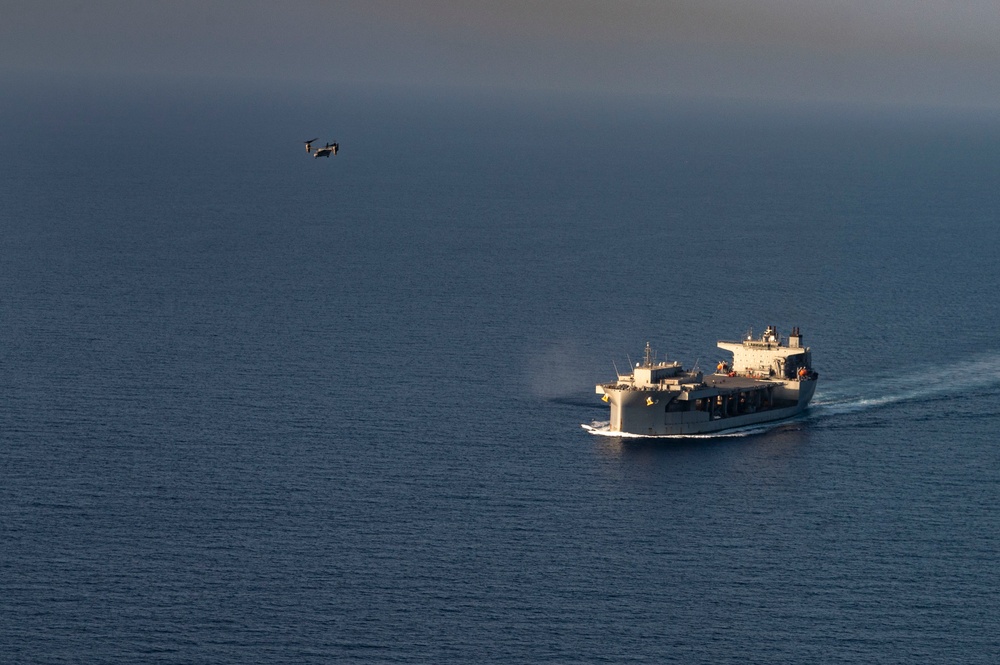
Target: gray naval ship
column 769, row 379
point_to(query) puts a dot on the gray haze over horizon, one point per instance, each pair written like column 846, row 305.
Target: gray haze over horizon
column 878, row 52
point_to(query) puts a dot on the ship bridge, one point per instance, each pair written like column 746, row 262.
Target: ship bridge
column 770, row 355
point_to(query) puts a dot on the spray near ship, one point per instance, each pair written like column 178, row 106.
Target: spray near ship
column 769, row 378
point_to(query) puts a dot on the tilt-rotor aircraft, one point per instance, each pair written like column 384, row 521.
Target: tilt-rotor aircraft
column 325, row 151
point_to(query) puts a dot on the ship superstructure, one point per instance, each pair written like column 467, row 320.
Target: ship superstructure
column 769, row 378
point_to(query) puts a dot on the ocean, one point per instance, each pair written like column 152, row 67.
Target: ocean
column 257, row 407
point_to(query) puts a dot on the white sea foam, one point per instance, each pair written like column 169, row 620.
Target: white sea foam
column 928, row 383
column 603, row 429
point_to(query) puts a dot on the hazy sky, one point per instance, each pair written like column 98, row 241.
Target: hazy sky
column 891, row 51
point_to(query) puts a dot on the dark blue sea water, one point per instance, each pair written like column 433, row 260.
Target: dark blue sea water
column 259, row 408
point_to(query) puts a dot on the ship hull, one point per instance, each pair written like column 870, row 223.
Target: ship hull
column 638, row 413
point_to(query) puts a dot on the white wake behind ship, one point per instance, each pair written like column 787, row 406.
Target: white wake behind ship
column 769, row 379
